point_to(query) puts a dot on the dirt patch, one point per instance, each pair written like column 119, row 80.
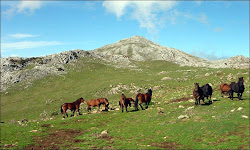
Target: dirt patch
column 166, row 145
column 56, row 139
column 180, row 100
column 45, row 125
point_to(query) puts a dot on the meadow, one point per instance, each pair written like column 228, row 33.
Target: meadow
column 31, row 118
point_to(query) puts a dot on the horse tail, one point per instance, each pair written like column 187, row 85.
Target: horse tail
column 61, row 109
column 136, row 100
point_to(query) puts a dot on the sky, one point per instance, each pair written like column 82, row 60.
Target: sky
column 208, row 29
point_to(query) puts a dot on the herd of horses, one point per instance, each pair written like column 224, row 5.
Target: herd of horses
column 199, row 93
column 206, row 91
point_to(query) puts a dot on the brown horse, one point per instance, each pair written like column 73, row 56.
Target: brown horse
column 98, row 102
column 224, row 89
column 198, row 94
column 71, row 106
column 143, row 98
column 125, row 102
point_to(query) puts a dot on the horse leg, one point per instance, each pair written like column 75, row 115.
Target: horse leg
column 79, row 111
column 126, row 108
column 73, row 113
column 146, row 105
column 232, row 95
column 89, row 108
column 65, row 112
column 141, row 106
column 238, row 94
column 122, row 109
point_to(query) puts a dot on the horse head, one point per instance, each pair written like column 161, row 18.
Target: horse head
column 149, row 92
column 82, row 100
column 241, row 81
column 106, row 102
column 196, row 87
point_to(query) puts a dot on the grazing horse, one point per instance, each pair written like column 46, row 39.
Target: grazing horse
column 98, row 102
column 207, row 91
column 125, row 102
column 237, row 88
column 198, row 94
column 143, row 98
column 224, row 88
column 71, row 106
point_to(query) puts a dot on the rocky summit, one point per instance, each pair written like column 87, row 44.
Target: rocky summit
column 119, row 54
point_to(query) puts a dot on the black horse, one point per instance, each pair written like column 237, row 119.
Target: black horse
column 198, row 94
column 207, row 92
column 237, row 88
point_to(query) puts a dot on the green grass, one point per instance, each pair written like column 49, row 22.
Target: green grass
column 208, row 127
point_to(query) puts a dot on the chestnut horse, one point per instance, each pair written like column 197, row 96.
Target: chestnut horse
column 224, row 89
column 125, row 102
column 71, row 106
column 198, row 94
column 143, row 98
column 98, row 102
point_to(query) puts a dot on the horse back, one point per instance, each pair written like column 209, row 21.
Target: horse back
column 69, row 106
column 140, row 97
column 147, row 97
column 224, row 87
column 92, row 102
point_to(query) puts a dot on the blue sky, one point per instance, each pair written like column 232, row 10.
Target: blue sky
column 208, row 29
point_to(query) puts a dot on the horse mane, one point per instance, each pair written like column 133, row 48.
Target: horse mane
column 79, row 99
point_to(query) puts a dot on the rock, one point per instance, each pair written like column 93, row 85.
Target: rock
column 104, row 132
column 189, row 108
column 239, row 109
column 183, row 116
column 160, row 112
column 180, row 106
column 166, row 78
column 232, row 110
column 207, row 74
column 33, row 131
column 244, row 116
column 191, row 100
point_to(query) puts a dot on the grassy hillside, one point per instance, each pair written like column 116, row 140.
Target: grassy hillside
column 219, row 125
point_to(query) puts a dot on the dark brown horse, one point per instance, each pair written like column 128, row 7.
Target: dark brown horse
column 237, row 88
column 224, row 89
column 71, row 106
column 98, row 102
column 198, row 94
column 143, row 98
column 125, row 102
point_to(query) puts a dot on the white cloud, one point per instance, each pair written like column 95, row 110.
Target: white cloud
column 147, row 13
column 27, row 44
column 27, row 7
column 22, row 35
column 197, row 2
column 218, row 30
column 203, row 18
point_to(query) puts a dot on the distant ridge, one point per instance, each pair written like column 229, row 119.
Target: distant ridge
column 119, row 54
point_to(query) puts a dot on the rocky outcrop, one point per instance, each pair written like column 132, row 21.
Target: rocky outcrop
column 17, row 69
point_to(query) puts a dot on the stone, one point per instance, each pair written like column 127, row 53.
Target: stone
column 183, row 116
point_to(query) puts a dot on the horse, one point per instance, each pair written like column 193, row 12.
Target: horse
column 98, row 102
column 125, row 102
column 71, row 106
column 207, row 91
column 143, row 98
column 237, row 88
column 198, row 94
column 224, row 88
